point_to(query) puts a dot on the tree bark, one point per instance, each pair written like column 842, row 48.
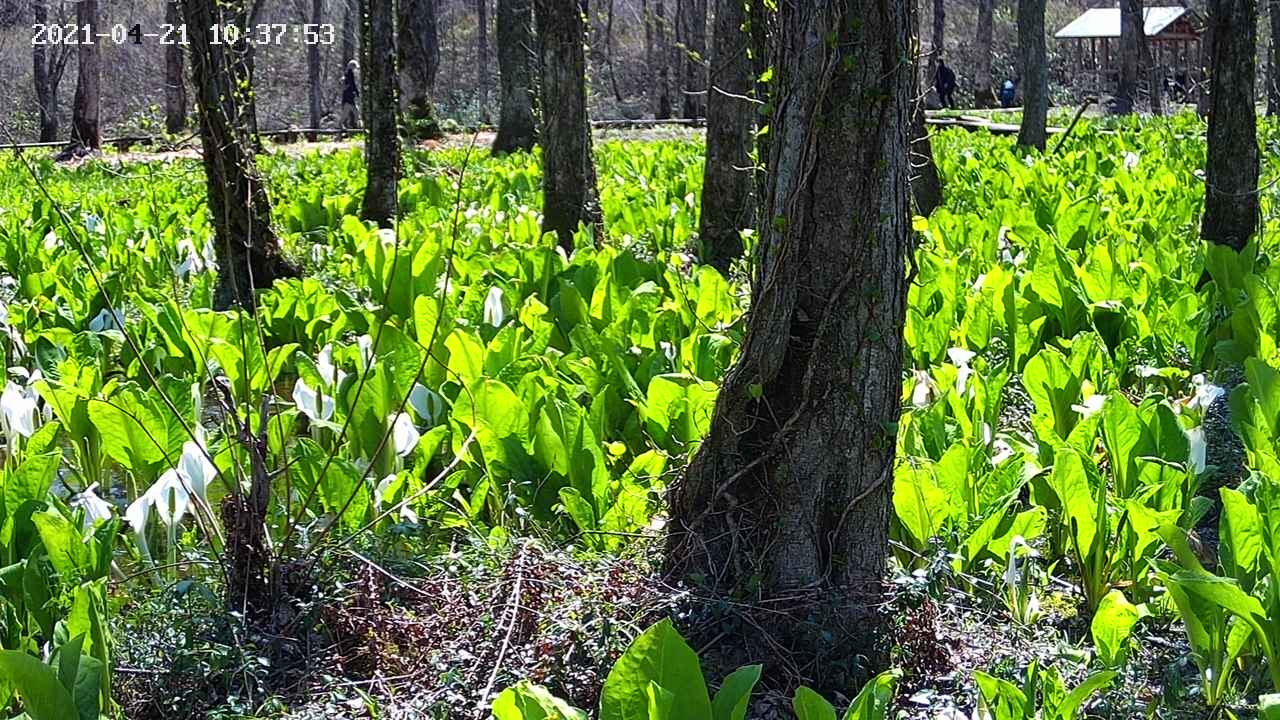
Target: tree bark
column 692, row 40
column 351, row 34
column 1131, row 41
column 1231, row 168
column 175, row 87
column 1206, row 61
column 939, row 36
column 727, row 206
column 660, row 94
column 85, row 134
column 419, row 48
column 926, row 185
column 239, row 208
column 788, row 497
column 983, row 95
column 381, row 112
column 1273, row 64
column 46, row 84
column 1035, row 74
column 315, row 91
column 517, row 129
column 569, row 196
column 482, row 39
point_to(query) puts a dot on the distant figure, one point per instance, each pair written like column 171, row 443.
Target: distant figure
column 945, row 82
column 1007, row 93
column 350, row 118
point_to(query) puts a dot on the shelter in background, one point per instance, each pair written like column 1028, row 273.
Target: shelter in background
column 1173, row 36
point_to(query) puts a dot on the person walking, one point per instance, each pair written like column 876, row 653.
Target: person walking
column 350, row 116
column 945, row 82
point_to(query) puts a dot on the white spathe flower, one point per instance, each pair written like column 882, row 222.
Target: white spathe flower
column 1003, row 452
column 4, row 313
column 94, row 224
column 426, row 403
column 493, row 312
column 193, row 262
column 51, row 241
column 960, row 357
column 387, row 236
column 18, row 411
column 365, row 343
column 668, row 350
column 1196, row 459
column 1131, row 160
column 106, row 320
column 1091, row 405
column 404, row 436
column 312, row 403
column 1205, row 393
column 329, row 372
column 194, row 466
column 924, row 391
column 171, row 496
column 96, row 510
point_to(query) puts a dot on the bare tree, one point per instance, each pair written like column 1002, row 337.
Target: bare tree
column 660, row 65
column 939, row 35
column 569, row 197
column 351, row 31
column 314, row 90
column 1231, row 167
column 1132, row 39
column 727, row 184
column 983, row 95
column 516, row 125
column 790, row 493
column 418, row 44
column 47, row 68
column 926, row 185
column 1273, row 62
column 691, row 39
column 380, row 96
column 482, row 42
column 85, row 134
column 1035, row 74
column 175, row 88
column 239, row 208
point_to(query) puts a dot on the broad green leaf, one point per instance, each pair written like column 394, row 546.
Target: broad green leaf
column 43, row 697
column 526, row 701
column 659, row 656
column 876, row 698
column 734, row 696
column 1112, row 626
column 809, row 705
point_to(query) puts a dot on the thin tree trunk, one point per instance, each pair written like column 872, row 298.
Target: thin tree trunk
column 419, row 48
column 1206, row 62
column 1231, row 168
column 983, row 95
column 175, row 87
column 648, row 39
column 1035, row 74
column 381, row 112
column 1273, row 87
column 1131, row 40
column 926, row 186
column 351, row 34
column 239, row 208
column 939, row 36
column 608, row 53
column 790, row 493
column 517, row 129
column 85, row 134
column 482, row 39
column 46, row 88
column 727, row 206
column 661, row 91
column 692, row 40
column 315, row 91
column 569, row 196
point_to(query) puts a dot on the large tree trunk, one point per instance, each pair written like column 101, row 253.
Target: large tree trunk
column 1273, row 64
column 1035, row 74
column 983, row 95
column 692, row 39
column 42, row 72
column 175, row 87
column 517, row 128
column 381, row 113
column 315, row 91
column 85, row 134
column 660, row 92
column 482, row 39
column 727, row 179
column 1131, row 40
column 568, row 170
column 419, row 48
column 1231, row 169
column 789, row 495
column 239, row 209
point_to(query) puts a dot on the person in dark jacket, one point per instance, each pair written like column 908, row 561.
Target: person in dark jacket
column 350, row 118
column 1008, row 93
column 945, row 82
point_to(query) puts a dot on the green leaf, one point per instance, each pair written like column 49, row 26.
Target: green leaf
column 43, row 697
column 1111, row 627
column 526, row 701
column 659, row 656
column 1070, row 706
column 809, row 705
column 734, row 695
column 68, row 554
column 876, row 698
